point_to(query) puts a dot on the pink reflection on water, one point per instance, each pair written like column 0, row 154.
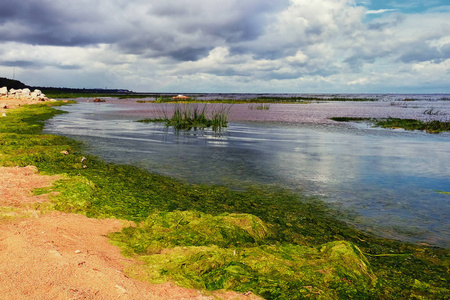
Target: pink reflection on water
column 316, row 113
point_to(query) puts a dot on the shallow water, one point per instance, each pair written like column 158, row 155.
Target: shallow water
column 385, row 179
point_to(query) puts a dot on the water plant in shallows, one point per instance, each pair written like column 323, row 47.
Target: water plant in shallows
column 189, row 116
column 442, row 192
column 433, row 126
column 262, row 106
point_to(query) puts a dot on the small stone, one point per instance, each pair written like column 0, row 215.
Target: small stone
column 65, row 152
column 121, row 289
column 77, row 251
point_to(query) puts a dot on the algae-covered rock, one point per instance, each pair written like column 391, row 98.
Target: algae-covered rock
column 348, row 257
column 273, row 272
column 202, row 251
column 191, row 228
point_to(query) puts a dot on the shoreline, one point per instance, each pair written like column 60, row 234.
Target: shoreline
column 373, row 254
column 65, row 255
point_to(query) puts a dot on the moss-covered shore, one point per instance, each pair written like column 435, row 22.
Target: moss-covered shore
column 273, row 242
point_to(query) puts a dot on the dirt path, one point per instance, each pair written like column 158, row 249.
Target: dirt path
column 55, row 255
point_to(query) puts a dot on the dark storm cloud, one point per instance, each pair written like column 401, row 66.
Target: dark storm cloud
column 19, row 63
column 182, row 30
column 187, row 30
column 50, row 23
column 36, row 65
column 189, row 54
column 420, row 53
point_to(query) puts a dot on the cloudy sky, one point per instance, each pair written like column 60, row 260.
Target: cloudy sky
column 294, row 46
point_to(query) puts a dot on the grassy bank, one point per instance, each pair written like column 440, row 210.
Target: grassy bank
column 274, row 242
column 407, row 124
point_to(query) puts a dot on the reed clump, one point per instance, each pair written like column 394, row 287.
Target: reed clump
column 189, row 116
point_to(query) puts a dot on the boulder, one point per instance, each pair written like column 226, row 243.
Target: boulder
column 26, row 93
column 3, row 91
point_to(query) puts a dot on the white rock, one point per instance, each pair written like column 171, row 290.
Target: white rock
column 26, row 93
column 12, row 91
column 34, row 95
column 3, row 91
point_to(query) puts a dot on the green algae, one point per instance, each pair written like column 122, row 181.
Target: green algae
column 442, row 192
column 221, row 252
column 192, row 228
column 266, row 228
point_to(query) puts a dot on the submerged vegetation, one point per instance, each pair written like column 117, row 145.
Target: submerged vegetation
column 433, row 126
column 189, row 116
column 262, row 106
column 276, row 243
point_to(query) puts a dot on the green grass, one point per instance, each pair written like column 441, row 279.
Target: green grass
column 193, row 116
column 277, row 243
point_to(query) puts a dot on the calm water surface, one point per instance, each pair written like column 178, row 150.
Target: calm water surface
column 386, row 179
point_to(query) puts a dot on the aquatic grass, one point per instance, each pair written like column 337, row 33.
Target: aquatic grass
column 277, row 229
column 262, row 106
column 193, row 116
column 432, row 126
column 442, row 192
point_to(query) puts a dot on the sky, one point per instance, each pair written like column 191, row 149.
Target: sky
column 243, row 46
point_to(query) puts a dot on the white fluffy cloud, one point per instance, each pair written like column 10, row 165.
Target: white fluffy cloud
column 247, row 45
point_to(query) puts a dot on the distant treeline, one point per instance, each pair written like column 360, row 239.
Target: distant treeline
column 12, row 84
column 16, row 84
